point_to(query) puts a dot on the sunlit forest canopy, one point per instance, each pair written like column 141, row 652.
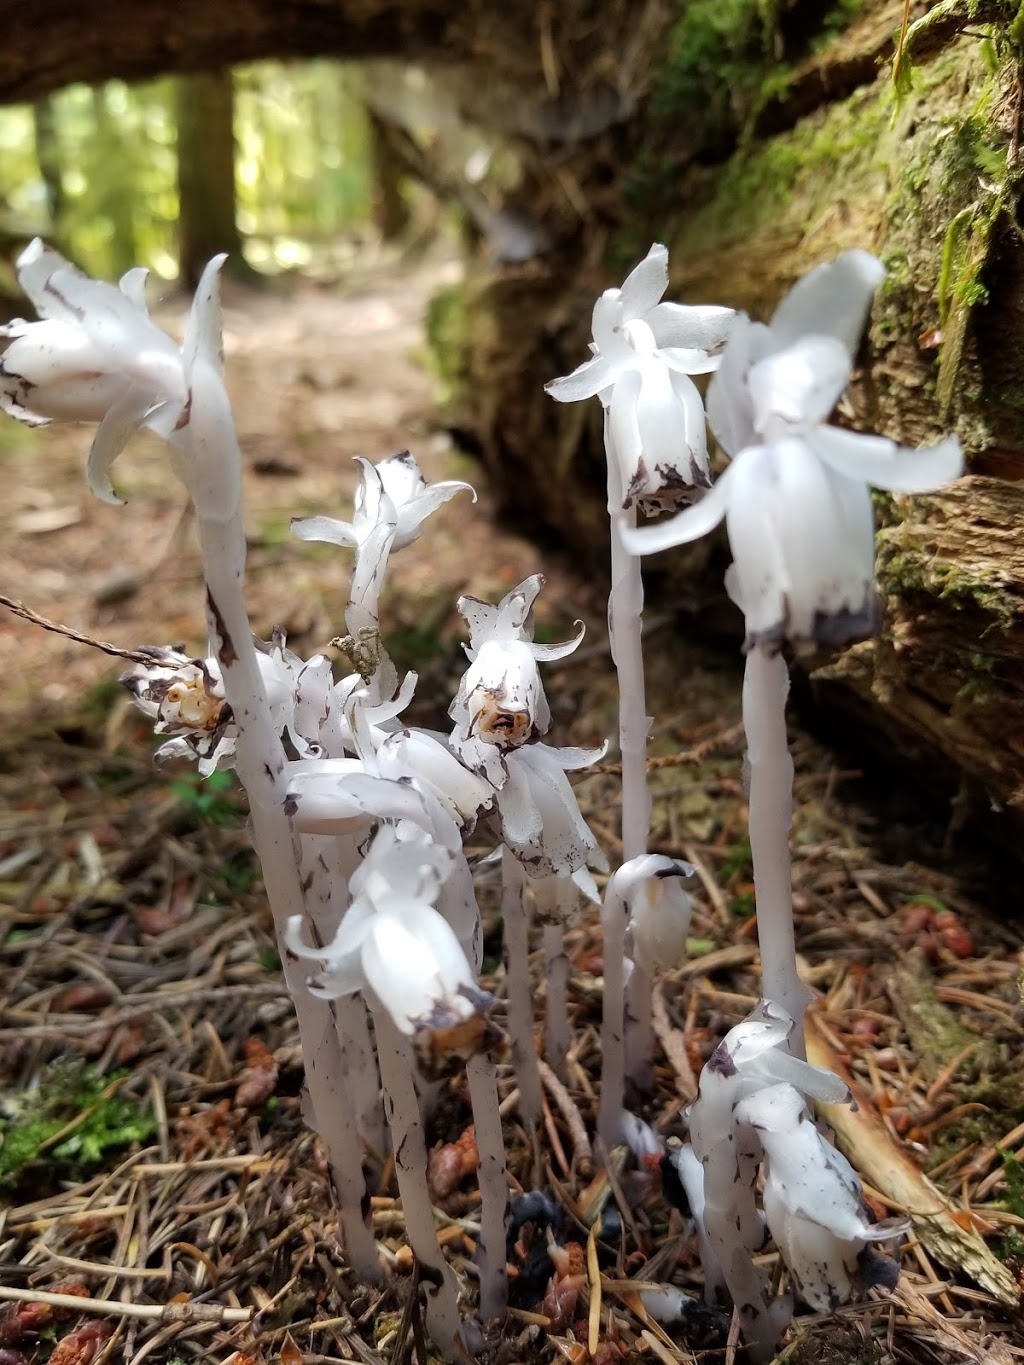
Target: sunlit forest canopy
column 96, row 168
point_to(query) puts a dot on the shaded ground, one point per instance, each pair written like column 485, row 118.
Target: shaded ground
column 153, row 1146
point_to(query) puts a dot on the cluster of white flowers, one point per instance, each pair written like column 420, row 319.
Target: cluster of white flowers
column 361, row 819
column 751, row 1113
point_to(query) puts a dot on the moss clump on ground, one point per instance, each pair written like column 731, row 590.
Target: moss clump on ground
column 67, row 1125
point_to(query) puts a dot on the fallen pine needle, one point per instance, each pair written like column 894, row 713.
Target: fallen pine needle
column 594, row 1276
column 866, row 1141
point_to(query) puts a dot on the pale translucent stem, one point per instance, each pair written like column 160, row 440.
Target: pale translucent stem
column 359, row 1058
column 260, row 762
column 625, row 625
column 338, row 857
column 556, row 977
column 613, row 1052
column 402, row 1106
column 350, row 1071
column 490, row 1144
column 640, row 1027
column 765, row 688
column 516, row 919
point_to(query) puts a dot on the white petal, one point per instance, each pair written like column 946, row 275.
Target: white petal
column 729, row 407
column 132, row 285
column 698, row 328
column 688, row 362
column 624, row 425
column 122, row 420
column 833, row 299
column 328, row 529
column 546, row 653
column 875, row 460
column 411, row 515
column 689, row 524
column 645, row 283
column 661, row 425
column 800, row 385
column 203, row 333
column 606, row 323
column 585, row 381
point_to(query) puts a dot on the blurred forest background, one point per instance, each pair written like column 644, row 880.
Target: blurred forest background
column 285, row 166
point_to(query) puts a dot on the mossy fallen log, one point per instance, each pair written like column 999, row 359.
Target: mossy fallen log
column 799, row 160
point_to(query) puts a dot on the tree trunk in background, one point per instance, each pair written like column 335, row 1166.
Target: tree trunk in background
column 118, row 191
column 390, row 208
column 44, row 127
column 206, row 174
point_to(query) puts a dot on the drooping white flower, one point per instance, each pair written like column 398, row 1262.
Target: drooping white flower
column 95, row 356
column 539, row 815
column 659, row 909
column 500, row 703
column 394, row 943
column 392, row 502
column 645, row 351
column 184, row 697
column 795, row 496
column 813, row 1202
column 750, row 1058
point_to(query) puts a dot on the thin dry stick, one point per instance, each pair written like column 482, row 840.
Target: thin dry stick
column 27, row 614
column 154, row 1312
column 582, row 1154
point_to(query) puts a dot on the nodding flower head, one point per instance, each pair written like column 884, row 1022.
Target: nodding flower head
column 393, row 943
column 644, row 352
column 659, row 909
column 795, row 497
column 813, row 1204
column 96, row 356
column 184, row 697
column 501, row 702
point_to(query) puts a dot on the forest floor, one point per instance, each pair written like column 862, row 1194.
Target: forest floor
column 153, row 1157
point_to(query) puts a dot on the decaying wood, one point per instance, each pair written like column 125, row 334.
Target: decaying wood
column 829, row 157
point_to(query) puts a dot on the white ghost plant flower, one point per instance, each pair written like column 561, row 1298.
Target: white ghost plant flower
column 394, row 943
column 539, row 816
column 184, row 697
column 644, row 353
column 96, row 356
column 750, row 1059
column 500, row 703
column 659, row 909
column 795, row 496
column 813, row 1203
column 392, row 493
column 391, row 503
